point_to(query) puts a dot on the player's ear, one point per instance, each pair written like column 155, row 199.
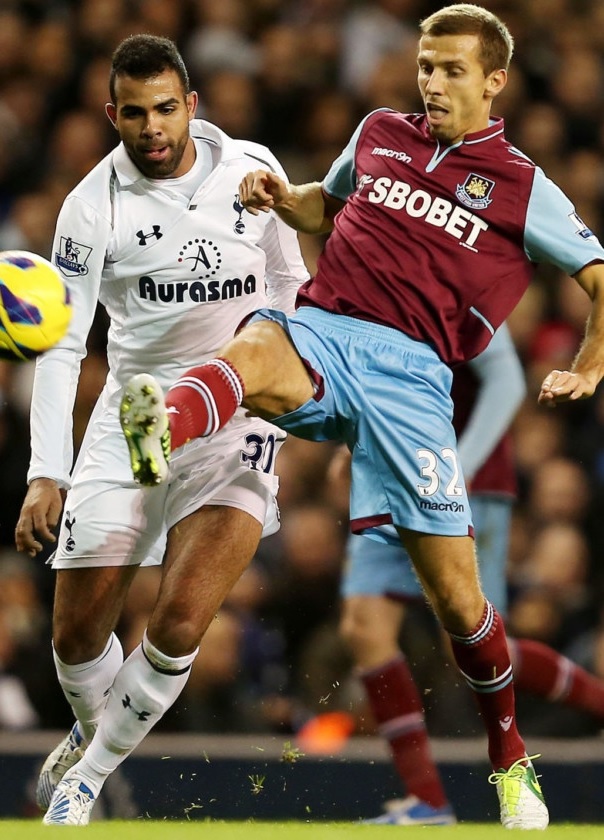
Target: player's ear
column 111, row 112
column 495, row 83
column 192, row 102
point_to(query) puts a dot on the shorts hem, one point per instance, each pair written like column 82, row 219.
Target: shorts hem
column 96, row 561
column 359, row 526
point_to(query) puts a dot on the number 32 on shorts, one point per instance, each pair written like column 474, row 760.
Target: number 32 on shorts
column 437, row 471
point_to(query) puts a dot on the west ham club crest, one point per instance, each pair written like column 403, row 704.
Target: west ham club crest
column 475, row 191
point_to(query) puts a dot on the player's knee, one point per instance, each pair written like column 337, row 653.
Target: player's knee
column 348, row 631
column 252, row 350
column 458, row 610
column 175, row 638
column 78, row 642
column 371, row 643
column 275, row 379
column 356, row 631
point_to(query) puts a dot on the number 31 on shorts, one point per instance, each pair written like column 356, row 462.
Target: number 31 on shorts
column 259, row 452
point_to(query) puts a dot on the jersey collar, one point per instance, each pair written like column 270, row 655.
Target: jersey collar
column 494, row 129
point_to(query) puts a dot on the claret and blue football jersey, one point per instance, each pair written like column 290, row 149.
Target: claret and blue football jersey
column 441, row 241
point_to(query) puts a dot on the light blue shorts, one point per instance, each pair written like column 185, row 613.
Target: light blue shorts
column 374, row 568
column 387, row 397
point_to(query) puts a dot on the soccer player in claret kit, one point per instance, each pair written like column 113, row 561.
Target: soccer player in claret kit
column 437, row 222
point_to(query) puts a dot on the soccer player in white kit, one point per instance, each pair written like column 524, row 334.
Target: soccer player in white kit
column 155, row 232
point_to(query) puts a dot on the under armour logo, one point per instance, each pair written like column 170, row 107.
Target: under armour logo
column 506, row 722
column 143, row 716
column 143, row 237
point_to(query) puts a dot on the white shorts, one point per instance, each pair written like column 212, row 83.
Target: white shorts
column 109, row 520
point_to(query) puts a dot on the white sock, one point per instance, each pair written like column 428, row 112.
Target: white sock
column 146, row 686
column 86, row 686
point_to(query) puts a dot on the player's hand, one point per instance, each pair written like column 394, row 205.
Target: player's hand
column 565, row 386
column 261, row 191
column 39, row 514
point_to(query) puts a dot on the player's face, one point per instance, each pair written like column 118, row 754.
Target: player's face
column 152, row 117
column 456, row 93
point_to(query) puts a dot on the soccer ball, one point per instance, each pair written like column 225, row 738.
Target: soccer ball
column 35, row 310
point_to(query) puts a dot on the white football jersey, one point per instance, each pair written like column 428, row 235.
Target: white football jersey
column 177, row 264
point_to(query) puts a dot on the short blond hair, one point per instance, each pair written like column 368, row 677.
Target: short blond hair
column 496, row 42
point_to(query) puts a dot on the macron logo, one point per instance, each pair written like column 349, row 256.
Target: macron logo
column 392, row 153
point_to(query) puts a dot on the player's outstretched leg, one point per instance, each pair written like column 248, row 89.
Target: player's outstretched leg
column 520, row 799
column 145, row 425
column 71, row 803
column 61, row 759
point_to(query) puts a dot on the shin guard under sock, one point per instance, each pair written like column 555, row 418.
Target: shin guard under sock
column 483, row 658
column 146, row 686
column 86, row 686
column 203, row 400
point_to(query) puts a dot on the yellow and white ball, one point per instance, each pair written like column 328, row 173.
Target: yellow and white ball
column 35, row 308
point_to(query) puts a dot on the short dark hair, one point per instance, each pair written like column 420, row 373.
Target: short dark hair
column 146, row 56
column 496, row 42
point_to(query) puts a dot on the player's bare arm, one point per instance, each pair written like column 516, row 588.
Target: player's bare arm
column 306, row 207
column 39, row 515
column 588, row 367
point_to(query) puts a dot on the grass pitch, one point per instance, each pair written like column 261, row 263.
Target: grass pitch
column 250, row 830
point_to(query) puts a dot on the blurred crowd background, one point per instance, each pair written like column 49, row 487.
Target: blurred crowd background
column 298, row 75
